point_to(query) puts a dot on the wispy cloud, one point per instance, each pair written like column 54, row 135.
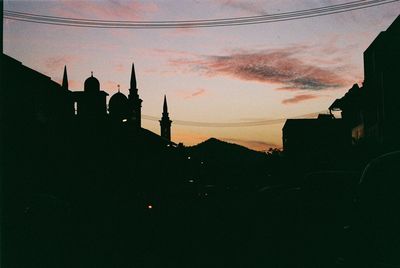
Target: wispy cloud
column 286, row 67
column 299, row 98
column 109, row 86
column 120, row 68
column 252, row 7
column 190, row 93
column 57, row 63
column 169, row 53
column 196, row 93
column 112, row 9
column 182, row 32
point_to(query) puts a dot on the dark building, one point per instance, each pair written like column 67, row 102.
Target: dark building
column 91, row 102
column 28, row 95
column 315, row 140
column 165, row 122
column 350, row 106
column 381, row 88
column 118, row 106
column 62, row 170
column 44, row 138
column 371, row 112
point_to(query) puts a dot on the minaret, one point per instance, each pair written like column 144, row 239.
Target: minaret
column 65, row 79
column 133, row 80
column 165, row 122
column 134, row 102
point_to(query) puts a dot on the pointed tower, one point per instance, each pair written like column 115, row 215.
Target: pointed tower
column 70, row 106
column 65, row 79
column 165, row 122
column 134, row 102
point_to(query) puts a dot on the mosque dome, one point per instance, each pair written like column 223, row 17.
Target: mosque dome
column 92, row 84
column 118, row 105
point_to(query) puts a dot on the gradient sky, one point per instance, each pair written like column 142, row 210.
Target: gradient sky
column 228, row 74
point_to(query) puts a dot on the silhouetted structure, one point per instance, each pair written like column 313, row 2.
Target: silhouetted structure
column 118, row 106
column 91, row 102
column 382, row 95
column 315, row 141
column 350, row 106
column 29, row 96
column 372, row 111
column 134, row 102
column 60, row 166
column 165, row 122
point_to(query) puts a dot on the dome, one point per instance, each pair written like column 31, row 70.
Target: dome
column 118, row 105
column 92, row 84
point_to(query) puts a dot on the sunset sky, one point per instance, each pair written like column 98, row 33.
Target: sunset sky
column 220, row 75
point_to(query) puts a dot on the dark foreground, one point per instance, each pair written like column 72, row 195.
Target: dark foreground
column 327, row 219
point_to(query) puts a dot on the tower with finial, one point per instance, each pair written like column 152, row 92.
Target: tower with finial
column 134, row 102
column 165, row 122
column 65, row 79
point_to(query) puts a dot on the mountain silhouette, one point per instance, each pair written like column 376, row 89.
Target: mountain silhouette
column 224, row 163
column 221, row 151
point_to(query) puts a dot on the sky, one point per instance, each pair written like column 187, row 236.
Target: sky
column 232, row 74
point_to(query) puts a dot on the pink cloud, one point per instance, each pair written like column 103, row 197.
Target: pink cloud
column 109, row 86
column 285, row 66
column 120, row 68
column 189, row 32
column 299, row 98
column 198, row 92
column 190, row 93
column 115, row 9
column 57, row 63
column 249, row 7
column 170, row 53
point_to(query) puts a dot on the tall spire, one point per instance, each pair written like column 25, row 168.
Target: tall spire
column 165, row 107
column 65, row 79
column 165, row 122
column 133, row 78
column 135, row 103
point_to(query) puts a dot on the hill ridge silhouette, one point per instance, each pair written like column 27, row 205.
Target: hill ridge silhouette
column 215, row 141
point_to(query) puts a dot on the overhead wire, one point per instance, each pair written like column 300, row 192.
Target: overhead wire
column 167, row 24
column 232, row 124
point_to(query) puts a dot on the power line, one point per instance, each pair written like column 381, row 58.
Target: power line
column 230, row 124
column 198, row 23
column 349, row 4
column 168, row 24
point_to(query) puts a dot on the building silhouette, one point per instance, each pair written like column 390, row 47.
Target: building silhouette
column 372, row 111
column 118, row 106
column 91, row 102
column 54, row 136
column 165, row 122
column 350, row 107
column 369, row 114
column 381, row 99
column 315, row 141
column 134, row 102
